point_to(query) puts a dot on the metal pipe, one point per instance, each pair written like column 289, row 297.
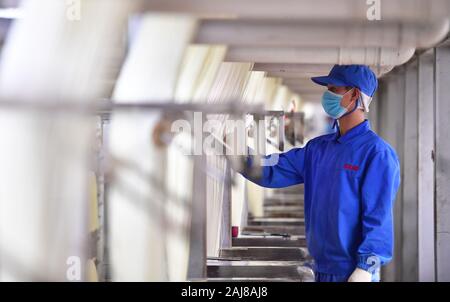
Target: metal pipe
column 324, row 10
column 301, row 33
column 105, row 107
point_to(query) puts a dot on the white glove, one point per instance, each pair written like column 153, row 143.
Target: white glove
column 360, row 275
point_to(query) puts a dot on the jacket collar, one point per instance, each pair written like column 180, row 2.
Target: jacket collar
column 352, row 133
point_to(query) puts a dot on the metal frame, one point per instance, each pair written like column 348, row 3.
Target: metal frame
column 197, row 269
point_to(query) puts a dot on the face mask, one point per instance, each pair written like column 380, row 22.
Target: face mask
column 331, row 103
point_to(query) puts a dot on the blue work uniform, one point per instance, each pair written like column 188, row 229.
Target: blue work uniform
column 350, row 184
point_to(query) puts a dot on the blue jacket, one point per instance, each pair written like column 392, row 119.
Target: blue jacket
column 350, row 187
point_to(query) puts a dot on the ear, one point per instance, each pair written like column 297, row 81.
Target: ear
column 356, row 94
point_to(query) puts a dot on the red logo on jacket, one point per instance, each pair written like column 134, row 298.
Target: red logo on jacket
column 351, row 167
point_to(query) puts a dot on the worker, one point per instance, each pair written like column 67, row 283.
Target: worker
column 350, row 181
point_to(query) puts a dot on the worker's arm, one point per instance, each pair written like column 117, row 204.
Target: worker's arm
column 284, row 169
column 380, row 185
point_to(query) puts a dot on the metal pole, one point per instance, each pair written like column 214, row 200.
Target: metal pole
column 197, row 247
column 227, row 209
column 426, row 183
column 442, row 163
column 410, row 177
column 105, row 107
column 281, row 133
column 104, row 271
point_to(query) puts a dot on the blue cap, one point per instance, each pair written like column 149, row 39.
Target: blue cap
column 359, row 76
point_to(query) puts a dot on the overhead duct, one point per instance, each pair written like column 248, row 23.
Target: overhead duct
column 316, row 34
column 324, row 34
column 318, row 55
column 290, row 71
column 293, row 68
column 326, row 10
column 314, row 46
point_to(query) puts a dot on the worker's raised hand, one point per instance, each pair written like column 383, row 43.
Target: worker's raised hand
column 360, row 275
